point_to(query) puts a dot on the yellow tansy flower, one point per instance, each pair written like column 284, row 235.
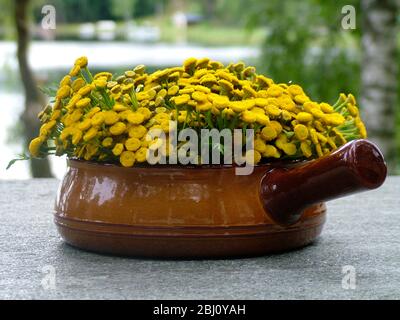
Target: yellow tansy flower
column 85, row 90
column 98, row 119
column 132, row 144
column 63, row 92
column 66, row 81
column 271, row 152
column 268, row 133
column 90, row 134
column 117, row 113
column 249, row 117
column 82, row 62
column 141, row 154
column 78, row 84
column 304, row 117
column 301, row 132
column 76, row 136
column 118, row 128
column 127, row 158
column 34, row 146
column 306, row 149
column 110, row 117
column 137, row 131
column 135, row 118
column 182, row 99
column 118, row 149
column 289, row 148
column 75, row 71
column 107, row 142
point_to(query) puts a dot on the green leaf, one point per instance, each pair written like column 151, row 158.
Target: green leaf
column 50, row 91
column 209, row 120
column 22, row 157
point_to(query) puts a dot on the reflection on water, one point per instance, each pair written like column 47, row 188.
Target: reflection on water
column 51, row 59
column 60, row 55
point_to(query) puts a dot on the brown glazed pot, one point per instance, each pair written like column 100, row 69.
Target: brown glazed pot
column 208, row 211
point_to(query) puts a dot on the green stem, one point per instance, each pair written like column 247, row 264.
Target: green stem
column 135, row 103
column 89, row 74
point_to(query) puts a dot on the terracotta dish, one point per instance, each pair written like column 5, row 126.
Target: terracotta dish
column 208, row 211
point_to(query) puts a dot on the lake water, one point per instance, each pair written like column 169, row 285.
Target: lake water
column 50, row 60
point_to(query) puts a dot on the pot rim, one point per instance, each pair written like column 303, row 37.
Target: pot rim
column 274, row 163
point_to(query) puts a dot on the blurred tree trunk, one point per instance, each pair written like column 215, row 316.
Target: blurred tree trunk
column 379, row 73
column 178, row 5
column 34, row 100
column 209, row 6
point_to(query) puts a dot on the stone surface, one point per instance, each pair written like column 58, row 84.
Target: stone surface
column 362, row 231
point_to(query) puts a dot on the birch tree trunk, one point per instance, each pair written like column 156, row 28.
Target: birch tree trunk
column 34, row 100
column 379, row 74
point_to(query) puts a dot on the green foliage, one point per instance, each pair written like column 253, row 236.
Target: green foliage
column 6, row 20
column 50, row 90
column 305, row 44
column 76, row 10
column 123, row 8
column 71, row 11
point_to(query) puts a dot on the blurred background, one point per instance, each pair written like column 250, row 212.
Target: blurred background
column 327, row 47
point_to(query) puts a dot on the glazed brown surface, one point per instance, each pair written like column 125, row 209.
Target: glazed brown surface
column 160, row 196
column 180, row 211
column 173, row 212
column 355, row 167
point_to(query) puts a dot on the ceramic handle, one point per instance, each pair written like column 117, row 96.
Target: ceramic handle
column 286, row 192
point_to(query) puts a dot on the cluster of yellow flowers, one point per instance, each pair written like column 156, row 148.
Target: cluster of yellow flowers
column 106, row 118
